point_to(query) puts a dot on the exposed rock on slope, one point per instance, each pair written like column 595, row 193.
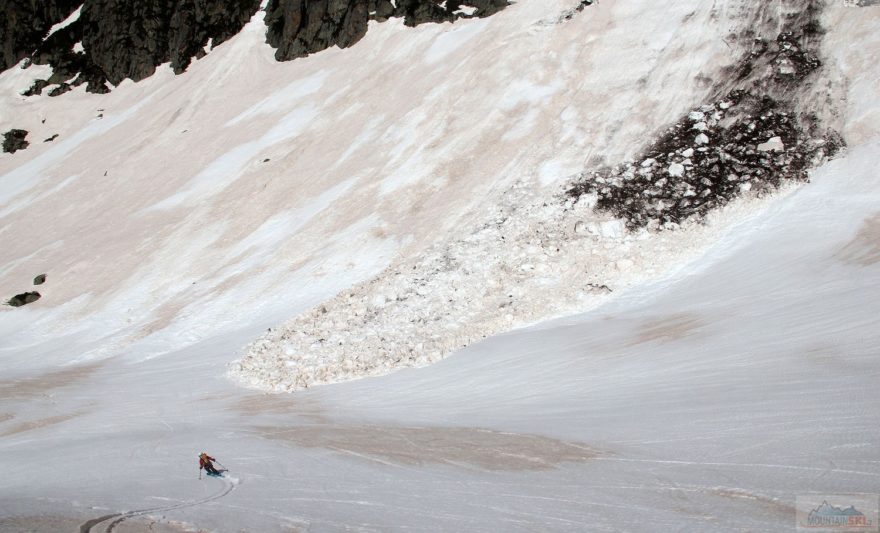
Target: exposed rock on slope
column 301, row 27
column 14, row 140
column 24, row 23
column 113, row 40
column 23, row 299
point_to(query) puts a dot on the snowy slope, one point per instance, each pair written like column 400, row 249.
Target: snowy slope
column 741, row 374
column 407, row 137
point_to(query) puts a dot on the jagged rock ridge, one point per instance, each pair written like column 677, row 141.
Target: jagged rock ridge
column 301, row 27
column 113, row 40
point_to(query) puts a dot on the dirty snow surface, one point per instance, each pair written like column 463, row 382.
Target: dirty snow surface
column 389, row 222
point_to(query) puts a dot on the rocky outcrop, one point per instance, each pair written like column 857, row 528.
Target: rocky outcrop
column 14, row 140
column 24, row 23
column 298, row 28
column 114, row 40
column 129, row 38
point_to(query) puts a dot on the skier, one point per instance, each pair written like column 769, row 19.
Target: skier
column 205, row 461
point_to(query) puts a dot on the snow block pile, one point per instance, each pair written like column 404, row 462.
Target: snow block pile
column 531, row 258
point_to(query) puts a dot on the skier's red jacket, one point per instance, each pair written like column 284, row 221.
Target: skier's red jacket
column 205, row 460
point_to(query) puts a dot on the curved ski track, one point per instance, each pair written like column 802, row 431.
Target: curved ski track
column 120, row 517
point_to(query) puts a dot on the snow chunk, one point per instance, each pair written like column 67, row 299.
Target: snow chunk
column 697, row 116
column 773, row 144
column 612, row 229
column 73, row 17
column 701, row 139
column 676, row 170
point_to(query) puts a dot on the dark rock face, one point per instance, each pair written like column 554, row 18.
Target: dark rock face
column 129, row 38
column 24, row 23
column 23, row 299
column 298, row 28
column 13, row 140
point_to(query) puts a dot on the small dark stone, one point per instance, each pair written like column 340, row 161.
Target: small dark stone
column 50, row 139
column 39, row 280
column 23, row 299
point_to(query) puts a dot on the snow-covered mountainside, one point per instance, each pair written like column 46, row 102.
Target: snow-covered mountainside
column 531, row 253
column 645, row 232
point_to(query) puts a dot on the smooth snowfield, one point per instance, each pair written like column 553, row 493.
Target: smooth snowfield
column 706, row 395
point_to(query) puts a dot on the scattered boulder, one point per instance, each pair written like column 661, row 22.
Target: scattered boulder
column 14, row 140
column 39, row 280
column 23, row 299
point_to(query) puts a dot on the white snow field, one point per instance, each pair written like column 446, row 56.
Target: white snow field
column 733, row 369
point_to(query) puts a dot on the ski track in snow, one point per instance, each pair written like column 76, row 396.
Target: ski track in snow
column 118, row 518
